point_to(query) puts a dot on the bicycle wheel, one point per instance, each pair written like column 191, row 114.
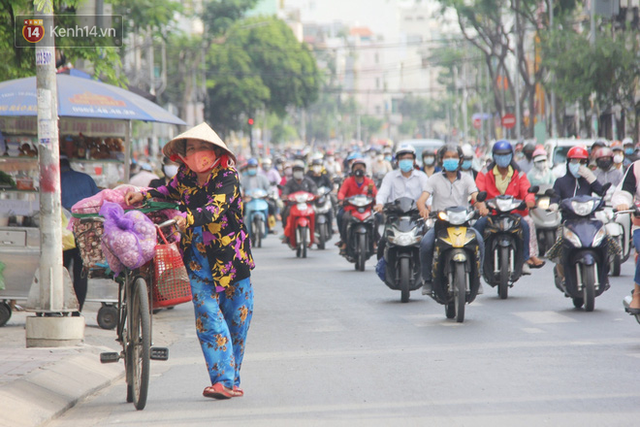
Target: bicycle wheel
column 138, row 343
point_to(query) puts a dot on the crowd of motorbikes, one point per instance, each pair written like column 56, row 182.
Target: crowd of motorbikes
column 457, row 269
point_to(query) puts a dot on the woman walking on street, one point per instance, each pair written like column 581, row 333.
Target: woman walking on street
column 216, row 250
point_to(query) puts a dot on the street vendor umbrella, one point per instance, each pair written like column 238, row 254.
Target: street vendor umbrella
column 84, row 98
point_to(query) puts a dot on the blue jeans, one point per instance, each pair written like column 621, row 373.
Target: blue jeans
column 636, row 244
column 426, row 252
column 481, row 224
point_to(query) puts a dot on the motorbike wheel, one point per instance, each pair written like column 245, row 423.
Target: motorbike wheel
column 615, row 266
column 460, row 292
column 588, row 287
column 405, row 277
column 322, row 236
column 549, row 239
column 578, row 302
column 257, row 237
column 298, row 240
column 503, row 286
column 361, row 252
column 303, row 242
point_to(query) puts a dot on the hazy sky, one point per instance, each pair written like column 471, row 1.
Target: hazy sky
column 379, row 15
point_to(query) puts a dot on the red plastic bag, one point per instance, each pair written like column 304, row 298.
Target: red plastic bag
column 171, row 281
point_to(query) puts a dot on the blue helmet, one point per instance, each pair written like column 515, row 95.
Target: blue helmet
column 354, row 155
column 252, row 162
column 502, row 147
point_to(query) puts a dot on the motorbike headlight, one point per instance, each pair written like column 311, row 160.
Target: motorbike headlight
column 504, row 205
column 572, row 237
column 582, row 208
column 405, row 239
column 543, row 203
column 597, row 239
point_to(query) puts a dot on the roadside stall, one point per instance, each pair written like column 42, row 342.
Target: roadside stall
column 95, row 134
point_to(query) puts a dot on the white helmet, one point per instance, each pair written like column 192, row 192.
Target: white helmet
column 467, row 150
column 406, row 149
column 627, row 140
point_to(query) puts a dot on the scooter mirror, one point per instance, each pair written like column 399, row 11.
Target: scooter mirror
column 482, row 196
column 550, row 193
column 606, row 187
column 534, row 189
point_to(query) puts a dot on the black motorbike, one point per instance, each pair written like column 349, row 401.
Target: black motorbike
column 361, row 230
column 504, row 243
column 456, row 260
column 584, row 252
column 403, row 232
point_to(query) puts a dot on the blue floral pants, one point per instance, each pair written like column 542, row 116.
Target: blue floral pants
column 222, row 319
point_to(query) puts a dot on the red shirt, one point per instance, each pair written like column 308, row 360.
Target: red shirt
column 351, row 188
column 518, row 187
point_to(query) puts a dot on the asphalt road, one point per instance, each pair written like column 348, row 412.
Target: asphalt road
column 332, row 346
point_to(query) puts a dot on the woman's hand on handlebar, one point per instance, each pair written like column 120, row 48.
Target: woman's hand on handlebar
column 133, row 197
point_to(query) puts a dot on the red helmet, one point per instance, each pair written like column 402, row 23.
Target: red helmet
column 603, row 152
column 578, row 152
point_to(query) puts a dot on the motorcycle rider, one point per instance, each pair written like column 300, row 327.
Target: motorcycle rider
column 622, row 199
column 356, row 184
column 406, row 181
column 331, row 165
column 449, row 188
column 578, row 181
column 270, row 172
column 317, row 173
column 252, row 179
column 380, row 166
column 298, row 182
column 606, row 172
column 618, row 156
column 630, row 154
column 503, row 176
column 467, row 161
column 429, row 165
column 540, row 174
column 526, row 163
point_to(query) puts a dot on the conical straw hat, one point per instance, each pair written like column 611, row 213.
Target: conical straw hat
column 202, row 132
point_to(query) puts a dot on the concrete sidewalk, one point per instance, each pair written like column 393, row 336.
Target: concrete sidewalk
column 39, row 384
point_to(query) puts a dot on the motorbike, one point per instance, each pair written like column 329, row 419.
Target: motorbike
column 504, row 243
column 456, row 260
column 584, row 257
column 256, row 213
column 547, row 220
column 361, row 230
column 323, row 207
column 403, row 232
column 618, row 226
column 301, row 222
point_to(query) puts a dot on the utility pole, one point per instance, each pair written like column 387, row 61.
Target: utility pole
column 554, row 122
column 592, row 40
column 50, row 293
column 517, row 77
column 465, row 99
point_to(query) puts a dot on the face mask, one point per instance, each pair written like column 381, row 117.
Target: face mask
column 574, row 168
column 450, row 165
column 618, row 158
column 288, row 171
column 429, row 161
column 329, row 159
column 201, row 161
column 298, row 175
column 252, row 171
column 502, row 160
column 405, row 165
column 170, row 170
column 519, row 155
column 358, row 173
column 388, row 158
column 466, row 164
column 317, row 169
column 541, row 166
column 605, row 163
column 380, row 157
column 628, row 151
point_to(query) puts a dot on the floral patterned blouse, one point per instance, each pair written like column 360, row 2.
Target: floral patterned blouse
column 217, row 207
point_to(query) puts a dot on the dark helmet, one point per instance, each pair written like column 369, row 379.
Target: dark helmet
column 530, row 147
column 502, row 147
column 428, row 152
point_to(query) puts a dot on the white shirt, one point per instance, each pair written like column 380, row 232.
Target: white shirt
column 395, row 185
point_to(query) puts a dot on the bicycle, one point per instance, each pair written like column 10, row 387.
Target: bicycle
column 133, row 327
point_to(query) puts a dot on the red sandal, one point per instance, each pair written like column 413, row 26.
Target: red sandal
column 219, row 391
column 238, row 391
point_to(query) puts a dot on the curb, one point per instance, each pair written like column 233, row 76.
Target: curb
column 50, row 390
